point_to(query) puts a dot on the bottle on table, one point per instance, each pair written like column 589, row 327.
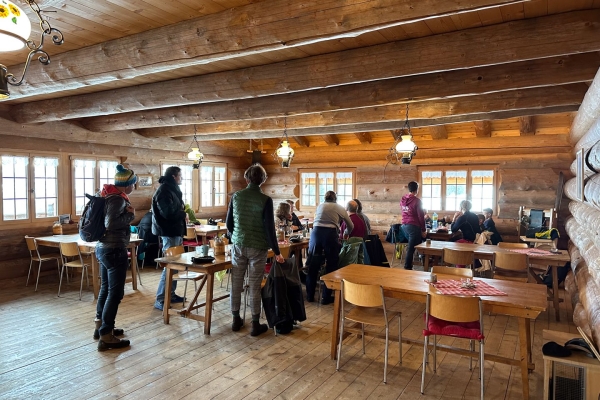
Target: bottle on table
column 434, row 221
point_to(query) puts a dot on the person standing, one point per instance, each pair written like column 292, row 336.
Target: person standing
column 490, row 226
column 251, row 224
column 324, row 238
column 112, row 257
column 413, row 221
column 168, row 222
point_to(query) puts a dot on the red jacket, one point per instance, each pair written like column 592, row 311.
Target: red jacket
column 412, row 211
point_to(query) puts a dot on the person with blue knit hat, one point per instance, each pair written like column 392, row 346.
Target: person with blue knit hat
column 112, row 257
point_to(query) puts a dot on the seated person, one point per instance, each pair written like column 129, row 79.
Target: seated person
column 466, row 222
column 360, row 229
column 490, row 226
column 283, row 217
column 191, row 216
column 296, row 225
column 481, row 218
column 428, row 220
column 365, row 219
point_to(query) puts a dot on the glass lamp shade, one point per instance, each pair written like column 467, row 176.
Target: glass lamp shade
column 15, row 27
column 406, row 145
column 195, row 154
column 285, row 152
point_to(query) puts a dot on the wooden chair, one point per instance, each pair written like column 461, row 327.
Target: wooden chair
column 71, row 251
column 459, row 317
column 456, row 272
column 369, row 309
column 511, row 266
column 458, row 257
column 183, row 275
column 190, row 239
column 509, row 245
column 34, row 253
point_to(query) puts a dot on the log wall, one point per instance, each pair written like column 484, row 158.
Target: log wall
column 584, row 225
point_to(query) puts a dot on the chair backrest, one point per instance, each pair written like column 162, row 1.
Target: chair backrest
column 509, row 245
column 190, row 233
column 174, row 251
column 454, row 308
column 515, row 262
column 458, row 272
column 69, row 249
column 457, row 257
column 362, row 295
column 31, row 245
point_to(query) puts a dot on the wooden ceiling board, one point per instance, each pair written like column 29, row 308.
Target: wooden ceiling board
column 440, row 25
column 512, row 12
column 560, row 6
column 146, row 10
column 535, row 8
column 124, row 20
column 490, row 16
column 466, row 20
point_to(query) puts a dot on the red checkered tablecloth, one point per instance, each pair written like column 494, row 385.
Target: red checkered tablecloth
column 453, row 287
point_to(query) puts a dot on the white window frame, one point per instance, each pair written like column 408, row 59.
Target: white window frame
column 97, row 180
column 342, row 200
column 469, row 191
column 212, row 190
column 30, row 189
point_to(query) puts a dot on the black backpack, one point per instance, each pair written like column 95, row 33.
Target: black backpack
column 91, row 224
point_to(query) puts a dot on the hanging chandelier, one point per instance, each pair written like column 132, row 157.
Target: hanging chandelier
column 195, row 154
column 284, row 153
column 405, row 148
column 15, row 29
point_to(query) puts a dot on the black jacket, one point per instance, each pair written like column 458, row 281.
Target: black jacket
column 168, row 215
column 468, row 224
column 117, row 221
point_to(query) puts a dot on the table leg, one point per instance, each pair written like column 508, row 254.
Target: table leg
column 335, row 328
column 134, row 277
column 524, row 342
column 95, row 280
column 168, row 288
column 210, row 282
column 547, row 371
column 555, row 298
column 426, row 262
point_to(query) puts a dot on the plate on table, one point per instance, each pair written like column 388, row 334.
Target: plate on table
column 468, row 285
column 203, row 259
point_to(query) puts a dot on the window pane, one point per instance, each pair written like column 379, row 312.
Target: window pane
column 206, row 185
column 344, row 189
column 220, row 186
column 106, row 173
column 482, row 189
column 456, row 189
column 15, row 187
column 85, row 171
column 431, row 187
column 325, row 184
column 308, row 182
column 45, row 170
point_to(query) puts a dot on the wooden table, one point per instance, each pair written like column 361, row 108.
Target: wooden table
column 183, row 262
column 290, row 248
column 538, row 242
column 486, row 252
column 56, row 240
column 523, row 301
column 209, row 230
column 439, row 235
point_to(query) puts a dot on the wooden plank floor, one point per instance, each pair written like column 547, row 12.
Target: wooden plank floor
column 47, row 351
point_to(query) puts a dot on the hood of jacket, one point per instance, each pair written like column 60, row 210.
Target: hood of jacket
column 408, row 200
column 109, row 189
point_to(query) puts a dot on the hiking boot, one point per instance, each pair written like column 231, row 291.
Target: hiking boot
column 116, row 331
column 176, row 299
column 109, row 341
column 258, row 328
column 237, row 323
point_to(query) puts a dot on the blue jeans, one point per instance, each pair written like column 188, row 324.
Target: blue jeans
column 167, row 241
column 413, row 233
column 113, row 270
column 322, row 240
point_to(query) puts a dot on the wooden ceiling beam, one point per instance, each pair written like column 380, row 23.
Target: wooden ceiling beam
column 251, row 29
column 301, row 140
column 483, row 128
column 527, row 125
column 331, row 140
column 536, row 98
column 212, row 134
column 535, row 38
column 396, row 133
column 438, row 132
column 363, row 137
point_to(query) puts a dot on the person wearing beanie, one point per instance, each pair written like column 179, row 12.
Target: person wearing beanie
column 111, row 252
column 168, row 222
